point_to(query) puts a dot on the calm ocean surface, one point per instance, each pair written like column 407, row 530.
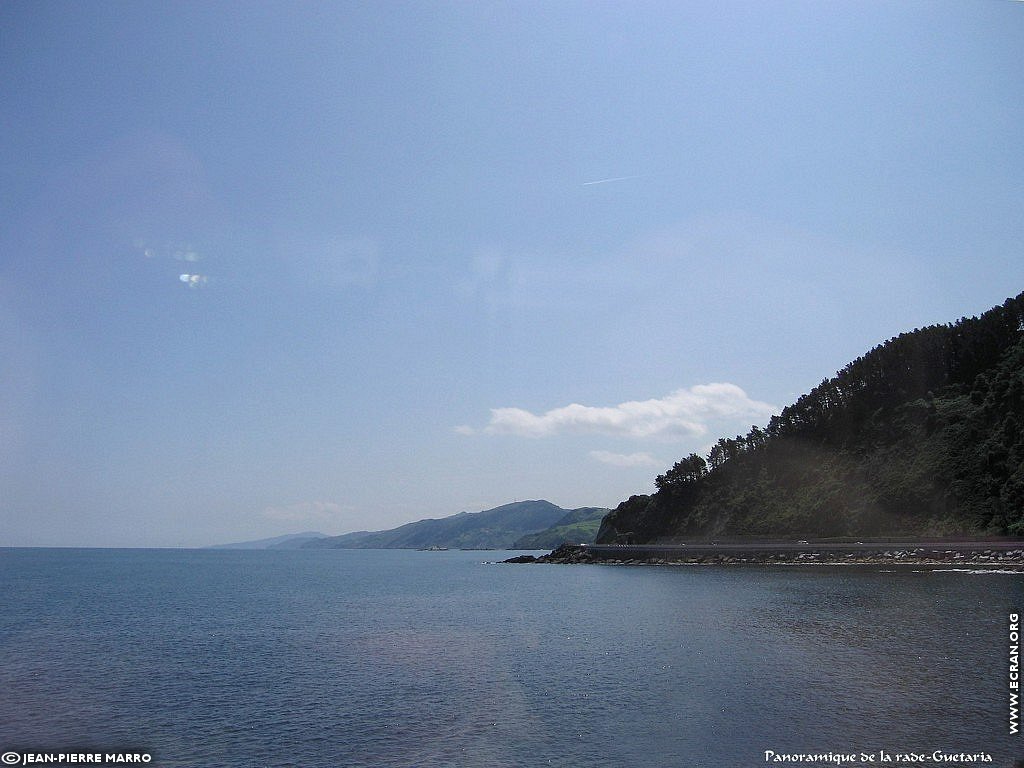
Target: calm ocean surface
column 324, row 659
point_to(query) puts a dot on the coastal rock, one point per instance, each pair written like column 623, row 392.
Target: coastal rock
column 521, row 559
column 570, row 554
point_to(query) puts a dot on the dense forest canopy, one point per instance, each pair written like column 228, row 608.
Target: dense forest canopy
column 920, row 435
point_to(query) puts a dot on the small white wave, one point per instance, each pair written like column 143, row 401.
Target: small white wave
column 979, row 570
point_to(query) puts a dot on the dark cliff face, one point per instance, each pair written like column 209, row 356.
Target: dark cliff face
column 620, row 526
column 921, row 435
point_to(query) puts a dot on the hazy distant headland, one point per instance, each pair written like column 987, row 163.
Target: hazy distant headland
column 520, row 525
column 288, row 541
column 921, row 436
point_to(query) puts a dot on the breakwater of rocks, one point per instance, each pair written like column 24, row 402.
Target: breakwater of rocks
column 958, row 557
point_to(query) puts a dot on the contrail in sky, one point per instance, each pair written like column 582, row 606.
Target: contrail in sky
column 617, row 178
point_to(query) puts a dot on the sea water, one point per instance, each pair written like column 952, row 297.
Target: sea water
column 329, row 658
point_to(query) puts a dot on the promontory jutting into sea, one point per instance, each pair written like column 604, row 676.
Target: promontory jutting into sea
column 913, row 453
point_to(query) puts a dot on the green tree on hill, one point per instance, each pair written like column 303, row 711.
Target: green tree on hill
column 922, row 434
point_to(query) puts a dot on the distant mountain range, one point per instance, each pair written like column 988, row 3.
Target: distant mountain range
column 520, row 525
column 288, row 541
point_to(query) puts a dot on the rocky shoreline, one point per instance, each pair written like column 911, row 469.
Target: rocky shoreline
column 569, row 554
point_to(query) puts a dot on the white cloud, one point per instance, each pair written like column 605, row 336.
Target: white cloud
column 308, row 512
column 625, row 459
column 681, row 414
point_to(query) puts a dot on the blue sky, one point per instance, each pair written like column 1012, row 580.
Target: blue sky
column 278, row 266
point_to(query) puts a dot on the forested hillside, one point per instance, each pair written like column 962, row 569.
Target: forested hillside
column 921, row 435
column 578, row 526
